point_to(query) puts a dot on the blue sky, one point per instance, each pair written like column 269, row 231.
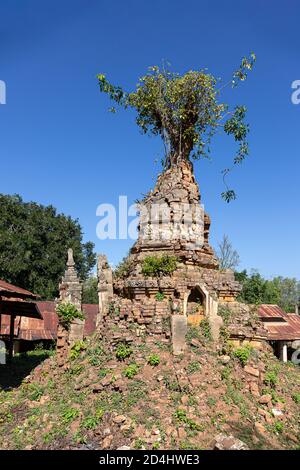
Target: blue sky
column 60, row 146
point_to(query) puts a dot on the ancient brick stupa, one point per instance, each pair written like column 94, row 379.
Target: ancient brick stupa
column 172, row 223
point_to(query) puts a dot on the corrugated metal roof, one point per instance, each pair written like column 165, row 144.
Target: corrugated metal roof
column 279, row 324
column 19, row 307
column 270, row 311
column 32, row 329
column 11, row 289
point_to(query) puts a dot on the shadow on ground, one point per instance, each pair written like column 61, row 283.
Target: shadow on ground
column 12, row 375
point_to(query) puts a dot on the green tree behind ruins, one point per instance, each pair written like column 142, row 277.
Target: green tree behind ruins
column 33, row 244
column 186, row 111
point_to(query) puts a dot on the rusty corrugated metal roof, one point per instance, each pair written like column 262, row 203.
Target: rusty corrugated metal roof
column 279, row 324
column 6, row 287
column 33, row 329
column 270, row 311
column 19, row 307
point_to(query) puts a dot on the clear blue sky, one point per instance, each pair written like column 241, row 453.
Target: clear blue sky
column 60, row 146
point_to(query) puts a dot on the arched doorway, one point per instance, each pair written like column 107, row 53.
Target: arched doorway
column 195, row 307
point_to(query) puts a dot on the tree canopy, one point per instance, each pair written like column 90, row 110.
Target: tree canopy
column 90, row 291
column 186, row 111
column 33, row 246
column 284, row 292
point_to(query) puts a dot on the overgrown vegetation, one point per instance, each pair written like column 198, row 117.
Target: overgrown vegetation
column 157, row 266
column 271, row 376
column 123, row 351
column 76, row 349
column 159, row 296
column 97, row 401
column 186, row 111
column 123, row 269
column 67, row 312
column 242, row 354
column 181, row 416
column 131, row 371
column 205, row 328
column 153, row 360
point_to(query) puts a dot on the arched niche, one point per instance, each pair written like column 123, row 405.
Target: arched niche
column 195, row 304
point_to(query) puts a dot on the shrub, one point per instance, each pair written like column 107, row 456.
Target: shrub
column 123, row 351
column 205, row 328
column 69, row 415
column 157, row 266
column 296, row 398
column 278, row 427
column 76, row 349
column 242, row 354
column 159, row 296
column 153, row 360
column 271, row 378
column 131, row 371
column 67, row 312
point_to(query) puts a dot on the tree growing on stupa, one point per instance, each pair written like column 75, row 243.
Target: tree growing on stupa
column 186, row 111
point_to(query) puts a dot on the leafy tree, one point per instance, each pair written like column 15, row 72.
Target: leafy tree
column 228, row 257
column 257, row 290
column 34, row 240
column 289, row 292
column 186, row 111
column 90, row 291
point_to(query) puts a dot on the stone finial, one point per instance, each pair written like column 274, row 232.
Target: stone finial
column 70, row 287
column 70, row 261
column 105, row 286
column 70, row 290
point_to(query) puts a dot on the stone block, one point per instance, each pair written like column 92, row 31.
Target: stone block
column 179, row 330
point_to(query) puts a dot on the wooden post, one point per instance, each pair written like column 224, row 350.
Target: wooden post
column 11, row 338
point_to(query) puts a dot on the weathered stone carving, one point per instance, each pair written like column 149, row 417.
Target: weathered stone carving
column 105, row 286
column 186, row 236
column 172, row 222
column 70, row 290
